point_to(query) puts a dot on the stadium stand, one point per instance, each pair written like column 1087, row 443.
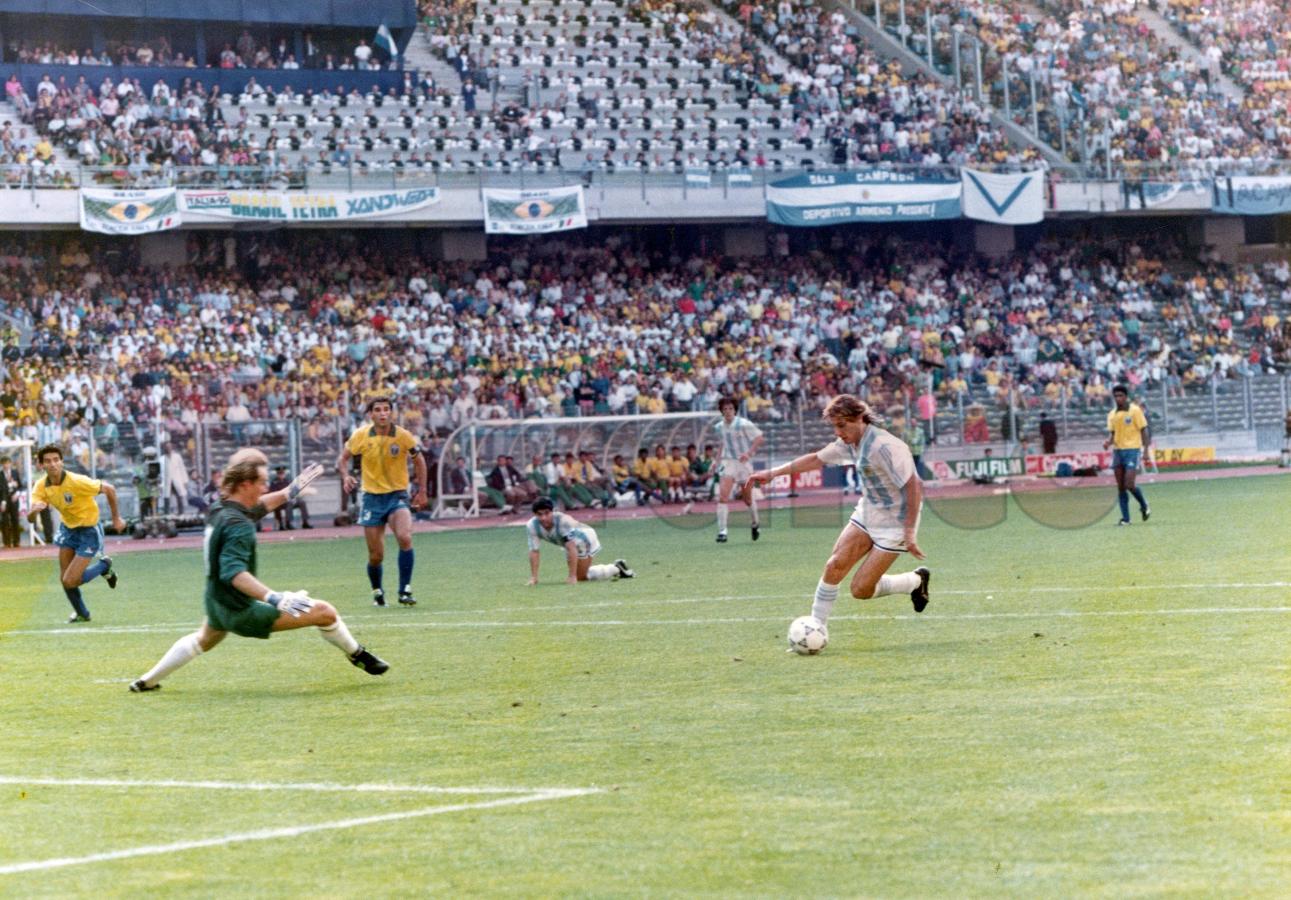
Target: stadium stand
column 606, row 325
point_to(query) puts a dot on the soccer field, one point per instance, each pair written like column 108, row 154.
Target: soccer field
column 1099, row 710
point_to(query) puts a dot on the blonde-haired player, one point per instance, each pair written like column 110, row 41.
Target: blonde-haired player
column 384, row 449
column 885, row 523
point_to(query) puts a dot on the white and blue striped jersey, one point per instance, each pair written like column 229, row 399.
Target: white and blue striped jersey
column 737, row 438
column 883, row 467
column 563, row 528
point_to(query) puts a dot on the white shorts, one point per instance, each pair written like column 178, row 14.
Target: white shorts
column 885, row 536
column 585, row 542
column 740, row 471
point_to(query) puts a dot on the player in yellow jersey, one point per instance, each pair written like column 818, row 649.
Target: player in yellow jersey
column 80, row 537
column 384, row 450
column 1130, row 438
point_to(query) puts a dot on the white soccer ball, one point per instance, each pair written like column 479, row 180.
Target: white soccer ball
column 808, row 635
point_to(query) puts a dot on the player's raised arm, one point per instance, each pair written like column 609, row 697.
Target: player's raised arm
column 299, row 485
column 806, row 463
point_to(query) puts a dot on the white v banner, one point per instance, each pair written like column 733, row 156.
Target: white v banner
column 1008, row 199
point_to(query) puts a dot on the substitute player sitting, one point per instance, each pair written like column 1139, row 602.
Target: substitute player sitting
column 385, row 449
column 80, row 536
column 236, row 600
column 576, row 539
column 885, row 523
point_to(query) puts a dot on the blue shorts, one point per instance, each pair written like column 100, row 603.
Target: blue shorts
column 1125, row 459
column 85, row 541
column 376, row 509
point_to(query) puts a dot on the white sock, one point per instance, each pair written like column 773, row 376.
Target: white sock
column 823, row 603
column 723, row 511
column 339, row 635
column 183, row 650
column 897, row 584
column 602, row 573
column 753, row 507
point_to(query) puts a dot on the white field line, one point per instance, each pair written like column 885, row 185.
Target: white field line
column 740, row 620
column 268, row 834
column 386, row 620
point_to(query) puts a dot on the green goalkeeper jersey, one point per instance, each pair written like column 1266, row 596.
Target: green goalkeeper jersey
column 229, row 548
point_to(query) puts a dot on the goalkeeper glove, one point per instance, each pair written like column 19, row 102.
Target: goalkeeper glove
column 294, row 603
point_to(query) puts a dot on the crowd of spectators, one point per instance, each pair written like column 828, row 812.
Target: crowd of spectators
column 875, row 111
column 1106, row 87
column 244, row 52
column 1248, row 40
column 305, row 326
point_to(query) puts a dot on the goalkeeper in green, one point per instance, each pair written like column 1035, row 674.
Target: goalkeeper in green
column 236, row 601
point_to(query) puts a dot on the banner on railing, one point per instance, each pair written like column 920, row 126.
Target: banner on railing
column 534, row 212
column 1166, row 194
column 1252, row 195
column 305, row 206
column 129, row 211
column 872, row 195
column 986, row 467
column 1015, row 198
column 1181, row 456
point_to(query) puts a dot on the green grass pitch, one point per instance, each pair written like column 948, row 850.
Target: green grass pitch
column 1081, row 711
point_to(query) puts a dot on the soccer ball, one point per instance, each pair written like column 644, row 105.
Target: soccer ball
column 807, row 635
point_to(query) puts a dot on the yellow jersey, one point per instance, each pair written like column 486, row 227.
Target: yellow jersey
column 678, row 468
column 1126, row 427
column 73, row 498
column 385, row 457
column 659, row 468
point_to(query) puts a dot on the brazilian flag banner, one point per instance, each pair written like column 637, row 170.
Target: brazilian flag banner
column 129, row 211
column 534, row 212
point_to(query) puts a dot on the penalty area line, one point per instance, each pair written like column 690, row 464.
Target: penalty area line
column 268, row 834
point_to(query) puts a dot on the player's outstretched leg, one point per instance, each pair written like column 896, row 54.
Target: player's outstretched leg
column 81, row 612
column 102, row 567
column 919, row 596
column 406, row 559
column 332, row 628
column 1144, row 511
column 624, row 571
column 822, row 603
column 603, row 572
column 183, row 651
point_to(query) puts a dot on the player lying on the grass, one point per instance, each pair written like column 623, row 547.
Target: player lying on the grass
column 578, row 541
column 885, row 523
column 236, row 600
column 80, row 536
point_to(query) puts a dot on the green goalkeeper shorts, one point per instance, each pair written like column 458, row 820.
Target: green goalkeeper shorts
column 256, row 621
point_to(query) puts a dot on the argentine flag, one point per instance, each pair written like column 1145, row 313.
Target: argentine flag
column 385, row 40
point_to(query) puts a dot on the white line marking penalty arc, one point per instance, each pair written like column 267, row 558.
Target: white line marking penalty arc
column 267, row 834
